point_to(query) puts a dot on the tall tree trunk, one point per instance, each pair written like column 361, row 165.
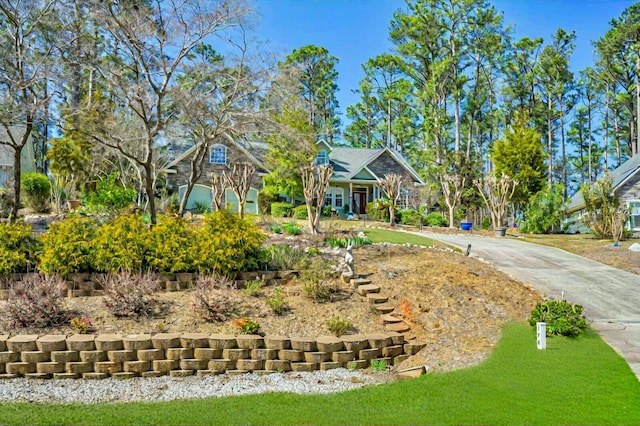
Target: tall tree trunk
column 549, row 143
column 636, row 146
column 564, row 154
column 606, row 130
column 17, row 170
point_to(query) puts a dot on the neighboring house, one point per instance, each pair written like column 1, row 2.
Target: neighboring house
column 354, row 182
column 223, row 152
column 355, row 176
column 626, row 186
column 28, row 158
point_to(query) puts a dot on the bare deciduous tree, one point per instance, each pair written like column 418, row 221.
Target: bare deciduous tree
column 452, row 187
column 27, row 50
column 217, row 190
column 496, row 193
column 238, row 179
column 391, row 184
column 315, row 181
column 146, row 47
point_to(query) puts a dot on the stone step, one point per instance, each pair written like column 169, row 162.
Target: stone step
column 391, row 318
column 355, row 282
column 398, row 327
column 365, row 289
column 383, row 308
column 412, row 372
column 377, row 298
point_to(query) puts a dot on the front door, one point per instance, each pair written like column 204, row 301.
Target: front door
column 359, row 201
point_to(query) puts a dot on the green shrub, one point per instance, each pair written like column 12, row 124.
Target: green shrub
column 280, row 209
column 276, row 228
column 545, row 211
column 562, row 318
column 435, row 219
column 277, row 302
column 37, row 301
column 300, row 212
column 171, row 246
column 110, row 197
column 227, row 244
column 339, row 326
column 378, row 210
column 486, row 223
column 411, row 217
column 19, row 251
column 121, row 244
column 292, row 228
column 36, row 191
column 67, row 247
column 378, row 364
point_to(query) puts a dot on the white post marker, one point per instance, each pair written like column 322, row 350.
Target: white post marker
column 541, row 329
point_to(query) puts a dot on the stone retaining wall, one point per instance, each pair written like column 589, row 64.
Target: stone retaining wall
column 124, row 356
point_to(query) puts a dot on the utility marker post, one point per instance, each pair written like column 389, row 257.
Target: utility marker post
column 541, row 331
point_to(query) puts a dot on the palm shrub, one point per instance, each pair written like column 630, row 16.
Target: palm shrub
column 121, row 244
column 67, row 247
column 19, row 251
column 171, row 246
column 227, row 244
column 435, row 219
column 36, row 191
column 562, row 318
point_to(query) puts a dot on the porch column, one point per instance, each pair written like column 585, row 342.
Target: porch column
column 350, row 197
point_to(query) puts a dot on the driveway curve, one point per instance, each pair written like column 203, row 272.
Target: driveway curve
column 610, row 296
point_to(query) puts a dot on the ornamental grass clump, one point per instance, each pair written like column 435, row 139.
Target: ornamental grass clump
column 209, row 300
column 37, row 301
column 129, row 294
column 339, row 326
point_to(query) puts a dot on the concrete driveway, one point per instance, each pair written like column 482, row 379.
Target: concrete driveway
column 611, row 297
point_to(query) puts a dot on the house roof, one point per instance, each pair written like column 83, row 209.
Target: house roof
column 255, row 151
column 619, row 176
column 348, row 162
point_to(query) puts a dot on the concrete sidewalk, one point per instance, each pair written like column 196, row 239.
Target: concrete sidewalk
column 610, row 296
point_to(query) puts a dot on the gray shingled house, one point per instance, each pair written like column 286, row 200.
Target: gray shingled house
column 354, row 182
column 626, row 185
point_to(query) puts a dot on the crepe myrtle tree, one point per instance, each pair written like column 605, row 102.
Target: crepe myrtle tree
column 391, row 184
column 496, row 192
column 315, row 181
column 238, row 179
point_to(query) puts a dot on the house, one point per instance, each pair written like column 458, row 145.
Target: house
column 354, row 182
column 626, row 186
column 222, row 152
column 28, row 158
column 356, row 172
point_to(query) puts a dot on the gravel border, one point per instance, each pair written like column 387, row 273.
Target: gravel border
column 168, row 388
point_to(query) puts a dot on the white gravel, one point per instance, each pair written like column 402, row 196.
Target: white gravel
column 169, row 388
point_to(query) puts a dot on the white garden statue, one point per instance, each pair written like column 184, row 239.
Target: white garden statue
column 348, row 258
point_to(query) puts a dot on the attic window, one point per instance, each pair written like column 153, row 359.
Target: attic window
column 218, row 154
column 323, row 157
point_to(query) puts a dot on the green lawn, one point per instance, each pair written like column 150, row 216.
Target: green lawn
column 378, row 235
column 573, row 381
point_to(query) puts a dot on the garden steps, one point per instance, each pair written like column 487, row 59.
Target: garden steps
column 399, row 327
column 365, row 289
column 383, row 308
column 375, row 298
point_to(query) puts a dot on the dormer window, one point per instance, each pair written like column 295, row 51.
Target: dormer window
column 218, row 154
column 323, row 157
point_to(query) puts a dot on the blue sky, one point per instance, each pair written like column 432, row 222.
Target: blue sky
column 356, row 30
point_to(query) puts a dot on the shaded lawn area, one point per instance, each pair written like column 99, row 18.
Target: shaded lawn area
column 574, row 381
